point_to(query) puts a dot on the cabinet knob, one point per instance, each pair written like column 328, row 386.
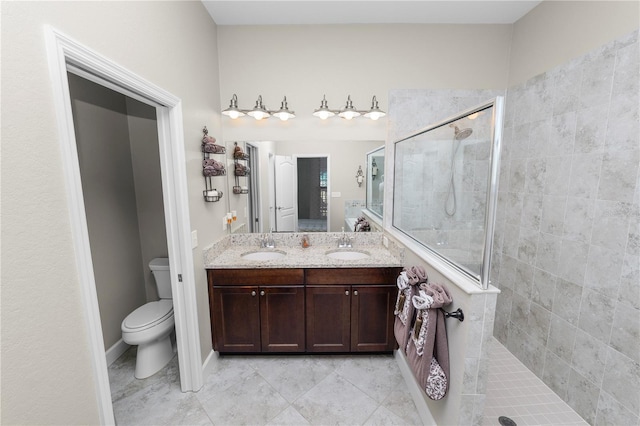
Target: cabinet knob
column 346, row 292
column 262, row 293
column 355, row 292
column 253, row 293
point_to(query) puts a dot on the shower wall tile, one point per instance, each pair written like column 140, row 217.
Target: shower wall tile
column 603, row 270
column 572, row 261
column 596, row 314
column 571, row 175
column 621, row 380
column 553, row 211
column 558, row 174
column 590, row 130
column 585, row 174
column 544, row 288
column 625, row 336
column 556, row 373
column 618, row 176
column 582, row 396
column 630, row 281
column 562, row 134
column 611, row 225
column 562, row 337
column 578, row 224
column 611, row 412
column 566, row 301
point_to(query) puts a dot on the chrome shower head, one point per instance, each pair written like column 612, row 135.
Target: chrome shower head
column 461, row 134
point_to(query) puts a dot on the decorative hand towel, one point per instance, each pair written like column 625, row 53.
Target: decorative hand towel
column 404, row 310
column 427, row 348
column 212, row 148
column 420, row 272
column 413, row 278
column 208, row 139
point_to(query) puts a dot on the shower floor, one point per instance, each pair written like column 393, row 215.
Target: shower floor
column 515, row 392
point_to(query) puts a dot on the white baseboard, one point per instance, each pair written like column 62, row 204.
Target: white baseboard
column 209, row 362
column 414, row 389
column 115, row 351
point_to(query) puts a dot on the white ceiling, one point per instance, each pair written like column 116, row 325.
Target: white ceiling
column 309, row 12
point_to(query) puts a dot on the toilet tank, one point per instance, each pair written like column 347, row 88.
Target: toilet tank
column 160, row 270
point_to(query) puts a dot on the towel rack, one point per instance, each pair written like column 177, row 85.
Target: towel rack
column 458, row 314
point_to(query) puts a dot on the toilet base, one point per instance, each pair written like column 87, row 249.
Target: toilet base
column 153, row 356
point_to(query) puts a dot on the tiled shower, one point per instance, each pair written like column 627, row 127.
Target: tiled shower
column 567, row 240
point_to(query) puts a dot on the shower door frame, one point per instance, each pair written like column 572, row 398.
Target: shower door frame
column 492, row 194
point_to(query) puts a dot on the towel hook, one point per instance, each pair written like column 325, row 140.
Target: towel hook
column 205, row 130
column 458, row 314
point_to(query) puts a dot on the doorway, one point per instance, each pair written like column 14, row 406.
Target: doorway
column 119, row 159
column 312, row 194
column 65, row 54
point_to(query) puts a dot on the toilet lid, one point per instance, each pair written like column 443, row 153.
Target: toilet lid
column 148, row 314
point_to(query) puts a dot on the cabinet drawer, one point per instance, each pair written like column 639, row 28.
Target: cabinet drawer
column 221, row 277
column 329, row 276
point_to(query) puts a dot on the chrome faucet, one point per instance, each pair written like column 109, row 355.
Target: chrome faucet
column 266, row 241
column 344, row 240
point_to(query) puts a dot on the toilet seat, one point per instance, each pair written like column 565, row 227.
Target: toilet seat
column 148, row 315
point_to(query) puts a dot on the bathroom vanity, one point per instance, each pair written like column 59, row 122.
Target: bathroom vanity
column 305, row 302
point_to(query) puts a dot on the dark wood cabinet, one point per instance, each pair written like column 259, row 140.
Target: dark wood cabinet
column 298, row 310
column 268, row 317
column 350, row 310
column 328, row 318
column 235, row 319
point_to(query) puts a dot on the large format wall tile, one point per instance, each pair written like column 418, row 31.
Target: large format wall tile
column 568, row 231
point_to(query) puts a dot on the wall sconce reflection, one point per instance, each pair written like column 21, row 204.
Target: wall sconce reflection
column 359, row 176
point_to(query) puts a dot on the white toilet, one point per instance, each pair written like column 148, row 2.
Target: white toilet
column 150, row 326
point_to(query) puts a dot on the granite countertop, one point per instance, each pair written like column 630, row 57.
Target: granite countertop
column 227, row 253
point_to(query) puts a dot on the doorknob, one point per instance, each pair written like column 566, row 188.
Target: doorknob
column 253, row 293
column 262, row 293
column 355, row 292
column 346, row 292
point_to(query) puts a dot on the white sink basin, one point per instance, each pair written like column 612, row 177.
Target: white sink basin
column 263, row 255
column 347, row 254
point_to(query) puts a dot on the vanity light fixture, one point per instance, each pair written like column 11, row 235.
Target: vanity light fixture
column 259, row 111
column 323, row 112
column 349, row 112
column 359, row 176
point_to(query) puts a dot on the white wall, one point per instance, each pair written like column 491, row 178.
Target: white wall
column 46, row 368
column 306, row 62
column 557, row 31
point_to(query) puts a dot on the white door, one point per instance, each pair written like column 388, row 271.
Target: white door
column 285, row 168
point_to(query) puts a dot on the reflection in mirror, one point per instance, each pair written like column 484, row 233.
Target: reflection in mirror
column 301, row 186
column 375, row 181
column 446, row 186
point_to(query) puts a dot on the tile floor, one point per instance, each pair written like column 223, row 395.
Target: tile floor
column 267, row 390
column 318, row 389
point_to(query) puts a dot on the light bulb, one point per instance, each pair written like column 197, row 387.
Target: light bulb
column 234, row 114
column 323, row 115
column 375, row 115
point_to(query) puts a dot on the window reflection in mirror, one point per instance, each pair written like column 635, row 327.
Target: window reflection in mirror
column 446, row 187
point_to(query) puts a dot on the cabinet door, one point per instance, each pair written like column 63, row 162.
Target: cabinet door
column 282, row 319
column 236, row 319
column 328, row 318
column 372, row 318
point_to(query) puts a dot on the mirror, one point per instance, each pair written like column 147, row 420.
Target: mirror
column 298, row 186
column 375, row 181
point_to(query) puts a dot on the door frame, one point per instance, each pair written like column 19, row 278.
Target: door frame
column 63, row 51
column 328, row 183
